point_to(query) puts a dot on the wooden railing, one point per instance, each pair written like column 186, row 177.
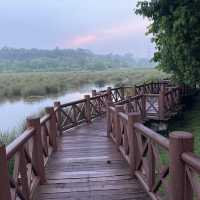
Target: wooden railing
column 151, row 87
column 158, row 101
column 167, row 168
column 27, row 156
column 22, row 162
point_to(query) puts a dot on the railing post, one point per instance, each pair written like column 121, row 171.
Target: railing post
column 134, row 91
column 94, row 93
column 143, row 111
column 180, row 188
column 151, row 177
column 4, row 175
column 122, row 91
column 129, row 104
column 161, row 102
column 109, row 94
column 38, row 160
column 108, row 119
column 133, row 145
column 52, row 127
column 118, row 109
column 87, row 108
column 151, row 87
column 57, row 105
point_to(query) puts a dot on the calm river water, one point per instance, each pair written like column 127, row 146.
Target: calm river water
column 14, row 112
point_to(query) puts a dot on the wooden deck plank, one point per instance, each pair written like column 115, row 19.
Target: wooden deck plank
column 88, row 166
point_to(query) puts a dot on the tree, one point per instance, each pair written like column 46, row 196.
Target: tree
column 175, row 26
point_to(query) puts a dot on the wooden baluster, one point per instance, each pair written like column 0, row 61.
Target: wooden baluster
column 88, row 109
column 134, row 91
column 180, row 188
column 129, row 107
column 144, row 88
column 108, row 119
column 74, row 115
column 132, row 138
column 125, row 138
column 122, row 92
column 4, row 175
column 23, row 173
column 57, row 104
column 143, row 111
column 38, row 160
column 151, row 165
column 109, row 95
column 161, row 103
column 118, row 135
column 94, row 93
column 152, row 87
column 52, row 127
column 99, row 105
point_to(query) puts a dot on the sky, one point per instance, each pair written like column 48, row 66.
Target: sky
column 102, row 26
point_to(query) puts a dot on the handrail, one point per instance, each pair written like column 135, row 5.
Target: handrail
column 45, row 118
column 192, row 160
column 157, row 138
column 14, row 146
column 154, row 159
column 73, row 102
column 123, row 116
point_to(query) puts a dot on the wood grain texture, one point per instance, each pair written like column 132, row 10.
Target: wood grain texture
column 88, row 166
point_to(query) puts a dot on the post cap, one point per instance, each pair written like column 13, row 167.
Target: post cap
column 87, row 96
column 31, row 121
column 57, row 103
column 49, row 109
column 181, row 135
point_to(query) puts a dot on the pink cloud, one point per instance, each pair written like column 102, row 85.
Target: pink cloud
column 131, row 27
column 120, row 30
column 83, row 40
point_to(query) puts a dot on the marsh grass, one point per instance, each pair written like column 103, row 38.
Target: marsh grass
column 47, row 83
column 6, row 137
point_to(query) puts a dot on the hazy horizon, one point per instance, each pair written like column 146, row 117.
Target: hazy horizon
column 102, row 27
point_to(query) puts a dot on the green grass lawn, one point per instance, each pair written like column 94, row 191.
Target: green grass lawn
column 189, row 121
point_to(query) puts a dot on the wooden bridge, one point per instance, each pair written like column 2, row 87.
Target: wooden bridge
column 74, row 152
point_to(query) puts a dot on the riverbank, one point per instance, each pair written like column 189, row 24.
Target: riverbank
column 15, row 85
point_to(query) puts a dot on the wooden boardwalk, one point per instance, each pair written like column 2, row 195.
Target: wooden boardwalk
column 69, row 153
column 88, row 166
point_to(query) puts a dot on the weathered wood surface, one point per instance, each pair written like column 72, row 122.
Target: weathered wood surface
column 87, row 165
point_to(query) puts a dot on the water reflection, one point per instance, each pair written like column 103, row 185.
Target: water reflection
column 14, row 113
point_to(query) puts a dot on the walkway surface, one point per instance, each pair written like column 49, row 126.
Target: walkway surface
column 88, row 166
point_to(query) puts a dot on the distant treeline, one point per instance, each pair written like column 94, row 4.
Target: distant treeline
column 22, row 60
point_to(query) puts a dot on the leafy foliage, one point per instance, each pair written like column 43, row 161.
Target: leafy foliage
column 176, row 32
column 24, row 60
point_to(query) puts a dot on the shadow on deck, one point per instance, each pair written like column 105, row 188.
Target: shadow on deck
column 88, row 165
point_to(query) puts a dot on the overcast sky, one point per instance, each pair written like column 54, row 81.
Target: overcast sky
column 103, row 26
